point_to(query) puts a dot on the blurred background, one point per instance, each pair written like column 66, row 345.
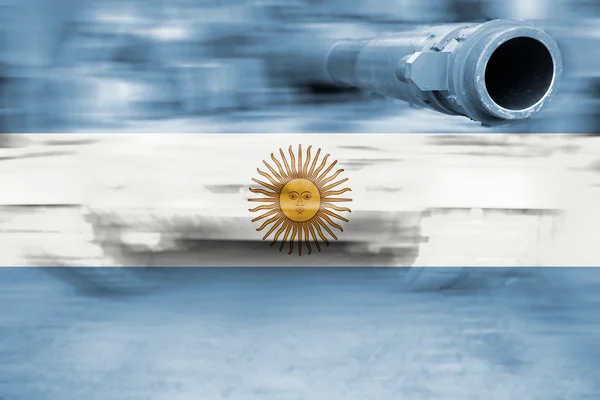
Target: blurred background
column 90, row 199
column 207, row 66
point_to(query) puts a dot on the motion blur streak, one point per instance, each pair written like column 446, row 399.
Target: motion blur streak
column 130, row 65
column 302, row 334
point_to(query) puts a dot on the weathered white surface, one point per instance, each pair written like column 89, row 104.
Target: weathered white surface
column 204, row 178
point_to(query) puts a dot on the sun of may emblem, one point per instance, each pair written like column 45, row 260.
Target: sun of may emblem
column 300, row 197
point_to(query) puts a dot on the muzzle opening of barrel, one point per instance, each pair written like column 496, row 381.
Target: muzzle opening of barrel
column 519, row 73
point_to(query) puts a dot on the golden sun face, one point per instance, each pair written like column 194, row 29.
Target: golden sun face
column 301, row 198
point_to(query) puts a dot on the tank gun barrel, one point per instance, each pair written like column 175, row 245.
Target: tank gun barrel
column 490, row 72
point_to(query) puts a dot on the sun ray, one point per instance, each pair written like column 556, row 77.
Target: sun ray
column 318, row 170
column 324, row 173
column 271, row 187
column 285, row 235
column 264, row 207
column 264, row 199
column 287, row 166
column 293, row 238
column 300, row 199
column 320, row 222
column 336, row 192
column 293, row 162
column 280, row 167
column 285, row 225
column 305, row 168
column 307, row 239
column 267, row 222
column 336, row 208
column 299, row 239
column 314, row 236
column 326, row 179
column 334, row 184
column 314, row 163
column 275, row 225
column 335, row 200
column 267, row 214
column 262, row 191
column 326, row 218
column 316, row 225
column 270, row 178
column 300, row 175
column 334, row 215
column 280, row 177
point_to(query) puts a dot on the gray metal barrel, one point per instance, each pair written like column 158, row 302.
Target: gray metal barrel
column 491, row 72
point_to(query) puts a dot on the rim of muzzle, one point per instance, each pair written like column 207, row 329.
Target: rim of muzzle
column 468, row 76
